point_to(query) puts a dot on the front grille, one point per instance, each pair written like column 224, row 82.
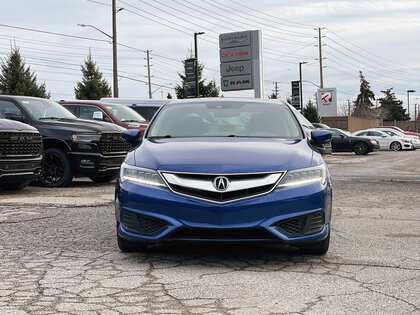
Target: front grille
column 302, row 225
column 223, row 196
column 20, row 144
column 218, row 234
column 141, row 224
column 111, row 143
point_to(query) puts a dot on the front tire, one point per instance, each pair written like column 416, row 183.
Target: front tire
column 103, row 179
column 318, row 248
column 14, row 186
column 360, row 148
column 395, row 146
column 56, row 170
column 128, row 247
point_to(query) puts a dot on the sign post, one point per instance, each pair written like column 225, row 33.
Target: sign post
column 190, row 88
column 296, row 94
column 241, row 66
column 327, row 102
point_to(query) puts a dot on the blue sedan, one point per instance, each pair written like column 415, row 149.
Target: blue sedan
column 224, row 170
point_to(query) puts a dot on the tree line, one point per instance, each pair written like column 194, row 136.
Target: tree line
column 17, row 79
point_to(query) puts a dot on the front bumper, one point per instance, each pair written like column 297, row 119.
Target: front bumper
column 20, row 170
column 95, row 164
column 287, row 215
column 408, row 146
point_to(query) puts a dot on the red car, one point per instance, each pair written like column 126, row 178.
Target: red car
column 408, row 133
column 118, row 114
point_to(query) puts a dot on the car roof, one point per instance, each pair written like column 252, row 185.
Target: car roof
column 88, row 102
column 226, row 100
column 132, row 102
column 19, row 97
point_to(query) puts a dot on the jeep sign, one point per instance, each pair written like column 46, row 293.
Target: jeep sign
column 236, row 68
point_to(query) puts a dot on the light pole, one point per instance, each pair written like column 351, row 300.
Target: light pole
column 300, row 83
column 408, row 100
column 114, row 43
column 197, row 92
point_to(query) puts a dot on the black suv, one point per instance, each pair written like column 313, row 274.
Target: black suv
column 72, row 147
column 20, row 154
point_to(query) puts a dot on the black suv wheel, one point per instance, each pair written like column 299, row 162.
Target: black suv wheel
column 56, row 171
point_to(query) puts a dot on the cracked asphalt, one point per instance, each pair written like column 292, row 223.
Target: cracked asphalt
column 58, row 254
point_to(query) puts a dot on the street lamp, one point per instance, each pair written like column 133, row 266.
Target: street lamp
column 196, row 66
column 114, row 43
column 300, row 83
column 408, row 100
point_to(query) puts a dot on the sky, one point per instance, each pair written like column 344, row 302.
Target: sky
column 380, row 38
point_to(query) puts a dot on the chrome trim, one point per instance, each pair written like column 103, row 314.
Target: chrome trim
column 282, row 174
column 234, row 185
column 20, row 174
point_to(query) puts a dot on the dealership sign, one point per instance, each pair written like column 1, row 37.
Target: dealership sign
column 296, row 94
column 241, row 62
column 327, row 102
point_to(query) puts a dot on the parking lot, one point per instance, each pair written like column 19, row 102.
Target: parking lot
column 58, row 254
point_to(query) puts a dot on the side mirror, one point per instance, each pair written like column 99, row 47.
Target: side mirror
column 321, row 136
column 132, row 136
column 98, row 115
column 342, row 136
column 13, row 116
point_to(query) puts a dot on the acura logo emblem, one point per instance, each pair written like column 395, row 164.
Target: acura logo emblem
column 221, row 183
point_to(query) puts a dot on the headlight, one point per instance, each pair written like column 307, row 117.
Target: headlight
column 86, row 137
column 373, row 141
column 406, row 141
column 305, row 176
column 140, row 175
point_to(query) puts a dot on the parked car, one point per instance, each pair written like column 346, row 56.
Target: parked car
column 320, row 126
column 145, row 107
column 224, row 170
column 73, row 147
column 407, row 133
column 20, row 153
column 386, row 141
column 413, row 139
column 323, row 148
column 343, row 141
column 118, row 114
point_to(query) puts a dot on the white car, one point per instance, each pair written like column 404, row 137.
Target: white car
column 386, row 141
column 392, row 132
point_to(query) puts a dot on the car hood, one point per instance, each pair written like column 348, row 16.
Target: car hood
column 224, row 155
column 80, row 125
column 6, row 124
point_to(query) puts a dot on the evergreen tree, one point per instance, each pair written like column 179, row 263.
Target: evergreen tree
column 272, row 96
column 311, row 112
column 17, row 79
column 205, row 90
column 169, row 96
column 392, row 107
column 92, row 86
column 363, row 103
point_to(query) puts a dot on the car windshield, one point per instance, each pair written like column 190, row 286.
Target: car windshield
column 348, row 134
column 395, row 133
column 226, row 119
column 124, row 113
column 46, row 109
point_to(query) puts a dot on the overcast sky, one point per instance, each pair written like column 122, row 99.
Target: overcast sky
column 381, row 38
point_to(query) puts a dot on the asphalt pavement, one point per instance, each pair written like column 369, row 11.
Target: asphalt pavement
column 58, row 254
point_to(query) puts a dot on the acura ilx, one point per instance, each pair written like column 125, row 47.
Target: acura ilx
column 224, row 170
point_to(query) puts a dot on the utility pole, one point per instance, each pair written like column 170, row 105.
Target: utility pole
column 300, row 83
column 408, row 100
column 321, row 77
column 276, row 90
column 114, row 47
column 348, row 103
column 148, row 73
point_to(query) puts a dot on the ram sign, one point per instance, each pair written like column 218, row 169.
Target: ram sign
column 240, row 62
column 327, row 102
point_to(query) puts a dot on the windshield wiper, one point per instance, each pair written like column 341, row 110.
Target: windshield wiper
column 160, row 137
column 49, row 117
